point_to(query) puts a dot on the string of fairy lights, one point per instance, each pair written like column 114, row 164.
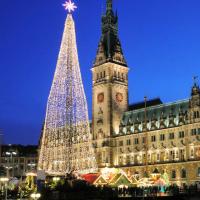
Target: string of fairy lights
column 66, row 142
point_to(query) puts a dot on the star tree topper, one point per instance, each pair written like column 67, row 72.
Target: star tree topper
column 70, row 6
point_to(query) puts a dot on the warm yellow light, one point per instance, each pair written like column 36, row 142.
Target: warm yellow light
column 4, row 179
column 35, row 195
column 55, row 179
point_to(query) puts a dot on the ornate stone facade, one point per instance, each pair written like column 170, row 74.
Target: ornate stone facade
column 144, row 137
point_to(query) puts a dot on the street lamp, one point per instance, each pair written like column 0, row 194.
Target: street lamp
column 4, row 180
column 32, row 166
column 35, row 196
column 11, row 154
column 56, row 179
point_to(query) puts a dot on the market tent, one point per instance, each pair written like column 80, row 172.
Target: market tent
column 100, row 181
column 134, row 181
column 120, row 180
column 90, row 178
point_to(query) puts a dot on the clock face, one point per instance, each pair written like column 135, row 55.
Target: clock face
column 100, row 98
column 119, row 97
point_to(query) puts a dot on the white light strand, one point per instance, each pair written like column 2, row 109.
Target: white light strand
column 66, row 144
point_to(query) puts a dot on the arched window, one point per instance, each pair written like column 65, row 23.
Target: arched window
column 104, row 74
column 173, row 173
column 183, row 173
column 198, row 114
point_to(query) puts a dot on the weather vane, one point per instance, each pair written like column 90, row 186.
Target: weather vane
column 70, row 6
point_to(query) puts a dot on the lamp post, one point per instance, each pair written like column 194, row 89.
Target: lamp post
column 35, row 196
column 11, row 154
column 7, row 170
column 32, row 166
column 5, row 180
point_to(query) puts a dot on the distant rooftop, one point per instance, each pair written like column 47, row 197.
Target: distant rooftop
column 29, row 150
column 149, row 103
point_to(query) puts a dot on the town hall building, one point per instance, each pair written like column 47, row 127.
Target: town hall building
column 143, row 138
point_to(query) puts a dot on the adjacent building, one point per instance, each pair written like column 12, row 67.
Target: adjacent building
column 17, row 160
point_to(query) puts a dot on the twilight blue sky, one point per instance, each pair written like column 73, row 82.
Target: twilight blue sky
column 160, row 40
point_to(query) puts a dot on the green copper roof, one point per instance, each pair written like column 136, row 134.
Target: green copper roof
column 158, row 117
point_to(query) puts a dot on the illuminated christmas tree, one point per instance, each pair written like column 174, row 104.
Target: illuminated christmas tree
column 66, row 141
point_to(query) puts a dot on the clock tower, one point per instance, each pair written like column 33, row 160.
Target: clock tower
column 110, row 88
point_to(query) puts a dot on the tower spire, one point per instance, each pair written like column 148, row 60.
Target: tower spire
column 109, row 5
column 195, row 78
column 195, row 88
column 109, row 49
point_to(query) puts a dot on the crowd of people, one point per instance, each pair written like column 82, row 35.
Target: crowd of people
column 71, row 188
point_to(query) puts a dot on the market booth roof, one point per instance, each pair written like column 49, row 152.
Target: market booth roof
column 95, row 179
column 119, row 180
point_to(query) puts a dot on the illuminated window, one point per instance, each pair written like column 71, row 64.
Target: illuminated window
column 172, row 155
column 132, row 129
column 120, row 159
column 124, row 130
column 128, row 160
column 182, row 154
column 158, row 157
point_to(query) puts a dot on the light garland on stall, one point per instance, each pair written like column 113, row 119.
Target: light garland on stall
column 66, row 145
